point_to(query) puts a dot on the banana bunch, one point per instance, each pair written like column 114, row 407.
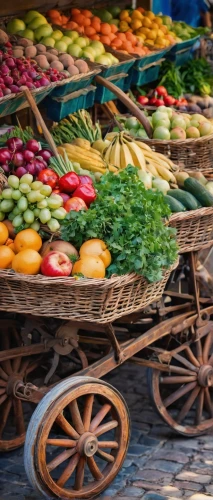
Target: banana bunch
column 124, row 151
column 89, row 159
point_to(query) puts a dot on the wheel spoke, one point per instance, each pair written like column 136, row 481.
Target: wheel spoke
column 188, row 404
column 206, row 348
column 79, row 478
column 16, row 362
column 192, row 357
column 185, row 362
column 113, row 445
column 3, row 383
column 179, row 393
column 2, row 391
column 19, row 416
column 5, row 414
column 64, row 443
column 60, row 459
column 24, row 365
column 106, row 456
column 106, row 427
column 94, row 469
column 76, row 417
column 177, row 380
column 199, row 351
column 88, row 411
column 199, row 408
column 66, row 427
column 208, row 402
column 3, row 374
column 6, row 365
column 68, row 471
column 99, row 417
column 3, row 398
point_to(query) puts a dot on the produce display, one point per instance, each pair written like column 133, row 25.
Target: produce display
column 36, row 28
column 195, row 77
column 21, row 158
column 182, row 30
column 159, row 97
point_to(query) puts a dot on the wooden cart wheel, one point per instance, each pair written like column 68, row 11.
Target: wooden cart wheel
column 184, row 398
column 88, row 451
column 13, row 411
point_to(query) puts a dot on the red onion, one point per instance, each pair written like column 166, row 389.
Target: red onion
column 6, row 168
column 33, row 145
column 14, row 89
column 28, row 155
column 37, row 84
column 7, row 91
column 4, row 69
column 30, row 85
column 5, row 155
column 45, row 154
column 2, row 86
column 1, row 80
column 14, row 144
column 20, row 171
column 18, row 159
column 39, row 166
column 32, row 74
column 10, row 62
column 8, row 80
column 44, row 81
column 31, row 169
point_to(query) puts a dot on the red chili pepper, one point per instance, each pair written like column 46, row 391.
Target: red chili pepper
column 47, row 176
column 69, row 182
column 85, row 179
column 86, row 192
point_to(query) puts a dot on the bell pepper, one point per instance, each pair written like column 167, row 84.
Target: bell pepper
column 49, row 177
column 69, row 182
column 86, row 192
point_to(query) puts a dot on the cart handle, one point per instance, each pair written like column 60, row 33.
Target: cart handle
column 128, row 103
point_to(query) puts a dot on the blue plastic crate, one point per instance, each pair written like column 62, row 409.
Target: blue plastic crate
column 183, row 45
column 145, row 74
column 180, row 58
column 75, row 84
column 58, row 108
column 105, row 95
column 155, row 56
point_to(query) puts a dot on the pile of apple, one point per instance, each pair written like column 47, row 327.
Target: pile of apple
column 20, row 158
column 35, row 27
column 168, row 124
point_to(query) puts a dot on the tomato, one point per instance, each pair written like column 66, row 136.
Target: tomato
column 47, row 176
column 142, row 99
column 152, row 101
column 76, row 204
column 161, row 91
column 169, row 100
column 159, row 102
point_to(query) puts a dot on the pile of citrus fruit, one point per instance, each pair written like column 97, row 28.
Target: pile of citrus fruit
column 22, row 253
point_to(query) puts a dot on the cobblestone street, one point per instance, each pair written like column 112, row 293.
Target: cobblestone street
column 159, row 464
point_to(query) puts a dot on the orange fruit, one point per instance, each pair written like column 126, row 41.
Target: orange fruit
column 28, row 238
column 96, row 247
column 89, row 30
column 117, row 43
column 27, row 262
column 87, row 21
column 86, row 13
column 4, row 233
column 105, row 29
column 71, row 25
column 6, row 257
column 75, row 11
column 79, row 19
column 114, row 28
column 53, row 13
column 90, row 266
column 105, row 39
column 94, row 37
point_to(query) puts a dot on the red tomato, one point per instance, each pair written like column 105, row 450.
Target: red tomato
column 76, row 204
column 142, row 99
column 159, row 102
column 47, row 176
column 152, row 101
column 169, row 100
column 161, row 91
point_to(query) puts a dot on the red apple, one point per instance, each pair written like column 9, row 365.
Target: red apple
column 56, row 264
column 58, row 246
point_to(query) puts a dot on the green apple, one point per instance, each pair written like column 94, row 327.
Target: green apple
column 72, row 34
column 81, row 42
column 90, row 50
column 61, row 46
column 31, row 15
column 43, row 31
column 75, row 50
column 98, row 47
column 37, row 22
column 66, row 39
column 57, row 35
column 103, row 60
column 48, row 41
column 15, row 25
column 27, row 34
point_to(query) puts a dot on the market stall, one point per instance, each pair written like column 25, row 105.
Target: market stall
column 99, row 241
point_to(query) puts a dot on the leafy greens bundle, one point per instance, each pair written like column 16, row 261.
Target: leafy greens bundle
column 129, row 219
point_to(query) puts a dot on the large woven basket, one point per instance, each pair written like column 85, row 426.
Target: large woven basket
column 191, row 154
column 99, row 301
column 194, row 229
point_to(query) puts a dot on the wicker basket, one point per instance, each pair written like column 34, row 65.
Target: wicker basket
column 191, row 154
column 3, row 181
column 100, row 301
column 194, row 229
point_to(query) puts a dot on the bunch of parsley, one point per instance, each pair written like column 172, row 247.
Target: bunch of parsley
column 129, row 219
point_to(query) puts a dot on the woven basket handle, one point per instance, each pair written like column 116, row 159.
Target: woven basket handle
column 40, row 121
column 128, row 103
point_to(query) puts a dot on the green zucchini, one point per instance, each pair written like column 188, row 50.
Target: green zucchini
column 175, row 205
column 187, row 199
column 200, row 192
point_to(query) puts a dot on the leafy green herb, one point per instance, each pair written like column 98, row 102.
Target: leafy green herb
column 129, row 219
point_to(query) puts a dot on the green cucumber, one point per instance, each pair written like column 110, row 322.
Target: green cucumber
column 187, row 199
column 174, row 205
column 199, row 191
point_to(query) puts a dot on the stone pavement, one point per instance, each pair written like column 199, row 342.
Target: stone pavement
column 159, row 466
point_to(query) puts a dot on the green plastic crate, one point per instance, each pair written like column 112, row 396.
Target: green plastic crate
column 180, row 58
column 58, row 108
column 183, row 45
column 103, row 94
column 155, row 56
column 146, row 74
column 16, row 102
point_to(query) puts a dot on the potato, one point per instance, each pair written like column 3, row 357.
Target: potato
column 66, row 60
column 40, row 47
column 18, row 52
column 30, row 52
column 82, row 66
column 73, row 70
column 25, row 42
column 53, row 51
column 3, row 37
column 42, row 61
column 51, row 57
column 57, row 65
